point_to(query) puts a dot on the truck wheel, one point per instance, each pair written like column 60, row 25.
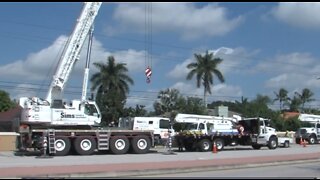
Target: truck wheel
column 62, row 146
column 140, row 144
column 272, row 144
column 204, row 145
column 312, row 139
column 85, row 145
column 119, row 144
column 297, row 140
column 219, row 143
column 256, row 146
column 286, row 144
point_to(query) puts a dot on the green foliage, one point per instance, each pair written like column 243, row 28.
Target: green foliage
column 282, row 97
column 171, row 100
column 305, row 97
column 111, row 105
column 168, row 100
column 292, row 124
column 135, row 112
column 5, row 101
column 205, row 68
column 192, row 105
column 112, row 85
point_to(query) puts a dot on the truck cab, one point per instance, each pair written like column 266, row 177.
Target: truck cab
column 261, row 133
column 310, row 134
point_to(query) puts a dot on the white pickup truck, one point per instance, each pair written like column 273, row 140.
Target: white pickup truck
column 284, row 141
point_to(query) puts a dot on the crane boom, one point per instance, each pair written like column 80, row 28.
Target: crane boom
column 86, row 70
column 72, row 50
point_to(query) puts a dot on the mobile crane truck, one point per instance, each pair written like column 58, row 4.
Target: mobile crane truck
column 56, row 128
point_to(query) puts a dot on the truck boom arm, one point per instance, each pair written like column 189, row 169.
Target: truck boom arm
column 72, row 49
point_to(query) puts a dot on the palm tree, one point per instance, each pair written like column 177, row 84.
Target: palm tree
column 282, row 97
column 295, row 103
column 204, row 69
column 305, row 96
column 112, row 85
column 242, row 106
column 168, row 100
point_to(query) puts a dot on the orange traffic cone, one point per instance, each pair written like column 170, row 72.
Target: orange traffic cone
column 214, row 149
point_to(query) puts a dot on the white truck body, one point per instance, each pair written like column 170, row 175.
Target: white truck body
column 159, row 125
column 310, row 134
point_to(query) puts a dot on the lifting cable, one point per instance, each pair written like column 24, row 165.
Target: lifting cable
column 148, row 41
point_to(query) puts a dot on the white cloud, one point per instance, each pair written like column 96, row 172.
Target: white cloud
column 183, row 18
column 300, row 14
column 38, row 67
column 293, row 72
column 135, row 60
column 294, row 62
column 180, row 71
column 24, row 90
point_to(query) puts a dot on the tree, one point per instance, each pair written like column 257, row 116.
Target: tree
column 295, row 104
column 241, row 107
column 292, row 124
column 5, row 101
column 282, row 97
column 191, row 105
column 305, row 96
column 205, row 69
column 168, row 100
column 133, row 112
column 112, row 85
column 259, row 107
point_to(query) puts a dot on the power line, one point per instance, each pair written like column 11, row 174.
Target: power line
column 148, row 98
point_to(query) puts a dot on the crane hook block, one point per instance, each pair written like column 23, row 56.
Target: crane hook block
column 148, row 73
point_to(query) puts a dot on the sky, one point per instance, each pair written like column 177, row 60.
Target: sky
column 270, row 46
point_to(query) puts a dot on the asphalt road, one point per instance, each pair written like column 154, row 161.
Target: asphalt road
column 157, row 161
column 309, row 169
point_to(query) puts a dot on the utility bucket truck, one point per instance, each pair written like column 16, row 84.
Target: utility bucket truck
column 200, row 132
column 310, row 134
column 54, row 127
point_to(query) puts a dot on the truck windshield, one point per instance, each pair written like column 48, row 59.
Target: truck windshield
column 191, row 126
column 90, row 109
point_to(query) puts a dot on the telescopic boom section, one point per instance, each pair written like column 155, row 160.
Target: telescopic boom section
column 72, row 50
column 86, row 70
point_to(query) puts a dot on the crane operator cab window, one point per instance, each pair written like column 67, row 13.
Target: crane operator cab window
column 90, row 109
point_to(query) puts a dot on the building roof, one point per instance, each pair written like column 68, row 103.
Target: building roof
column 11, row 114
column 287, row 115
